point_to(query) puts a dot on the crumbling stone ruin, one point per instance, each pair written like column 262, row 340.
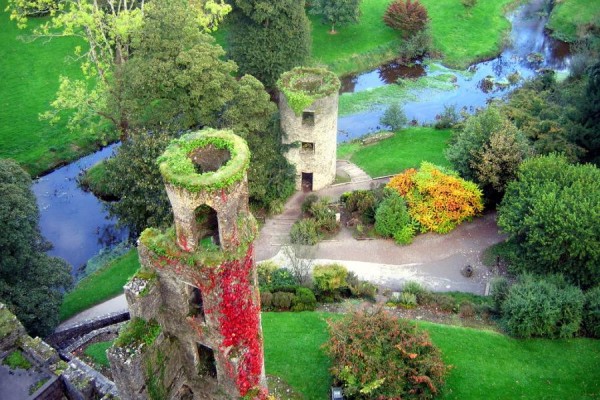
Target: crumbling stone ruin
column 308, row 105
column 195, row 331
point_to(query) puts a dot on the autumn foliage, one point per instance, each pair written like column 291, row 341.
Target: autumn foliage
column 436, row 199
column 407, row 16
column 378, row 356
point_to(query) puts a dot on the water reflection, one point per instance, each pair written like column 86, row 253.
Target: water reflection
column 530, row 50
column 74, row 221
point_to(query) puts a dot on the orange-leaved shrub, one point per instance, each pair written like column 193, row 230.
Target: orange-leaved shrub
column 378, row 356
column 409, row 17
column 439, row 200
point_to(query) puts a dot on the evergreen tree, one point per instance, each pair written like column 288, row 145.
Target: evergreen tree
column 31, row 282
column 268, row 37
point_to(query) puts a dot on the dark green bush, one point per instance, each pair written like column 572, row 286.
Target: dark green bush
column 448, row 118
column 282, row 301
column 305, row 300
column 416, row 46
column 542, row 307
column 266, row 300
column 394, row 117
column 305, row 232
column 282, row 277
column 377, row 356
column 392, row 219
column 591, row 313
column 499, row 290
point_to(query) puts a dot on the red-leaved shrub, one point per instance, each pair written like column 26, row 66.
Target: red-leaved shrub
column 378, row 356
column 407, row 16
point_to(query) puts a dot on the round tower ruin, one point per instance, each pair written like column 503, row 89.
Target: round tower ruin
column 197, row 286
column 308, row 105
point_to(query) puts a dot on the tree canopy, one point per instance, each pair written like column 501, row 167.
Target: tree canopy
column 31, row 282
column 551, row 213
column 337, row 12
column 268, row 38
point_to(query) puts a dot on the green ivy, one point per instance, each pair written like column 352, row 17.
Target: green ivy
column 178, row 169
column 295, row 85
column 163, row 245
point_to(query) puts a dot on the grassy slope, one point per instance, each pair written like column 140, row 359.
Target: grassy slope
column 568, row 15
column 406, row 149
column 29, row 83
column 102, row 285
column 486, row 365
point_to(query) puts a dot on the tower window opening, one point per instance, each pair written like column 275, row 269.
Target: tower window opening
column 308, row 118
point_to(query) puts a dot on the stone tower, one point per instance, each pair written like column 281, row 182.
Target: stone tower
column 195, row 331
column 308, row 105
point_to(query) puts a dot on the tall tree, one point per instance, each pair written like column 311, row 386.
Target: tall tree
column 551, row 213
column 337, row 12
column 268, row 37
column 106, row 27
column 31, row 282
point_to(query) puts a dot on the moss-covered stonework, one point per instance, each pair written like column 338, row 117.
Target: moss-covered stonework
column 202, row 293
column 309, row 119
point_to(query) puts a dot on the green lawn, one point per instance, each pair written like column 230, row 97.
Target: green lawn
column 102, row 285
column 97, row 352
column 568, row 15
column 29, row 83
column 460, row 37
column 293, row 351
column 406, row 149
column 486, row 365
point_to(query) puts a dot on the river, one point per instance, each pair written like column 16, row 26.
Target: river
column 78, row 226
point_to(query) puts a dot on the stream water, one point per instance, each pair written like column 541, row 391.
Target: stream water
column 78, row 226
column 75, row 221
column 529, row 50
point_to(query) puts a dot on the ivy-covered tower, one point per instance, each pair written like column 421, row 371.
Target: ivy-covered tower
column 195, row 307
column 308, row 105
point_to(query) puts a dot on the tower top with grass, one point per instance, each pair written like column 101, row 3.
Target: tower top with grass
column 206, row 168
column 309, row 109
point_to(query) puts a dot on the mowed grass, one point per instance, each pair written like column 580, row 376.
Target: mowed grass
column 569, row 15
column 406, row 149
column 30, row 80
column 485, row 365
column 461, row 36
column 293, row 351
column 100, row 286
column 97, row 352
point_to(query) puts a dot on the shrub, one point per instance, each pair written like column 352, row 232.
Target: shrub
column 324, row 216
column 437, row 199
column 392, row 219
column 499, row 290
column 308, row 202
column 305, row 232
column 407, row 300
column 448, row 118
column 282, row 300
column 377, row 356
column 305, row 300
column 591, row 313
column 445, row 303
column 416, row 46
column 408, row 16
column 266, row 300
column 282, row 277
column 467, row 309
column 542, row 307
column 413, row 287
column 330, row 278
column 265, row 272
column 394, row 117
column 363, row 201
